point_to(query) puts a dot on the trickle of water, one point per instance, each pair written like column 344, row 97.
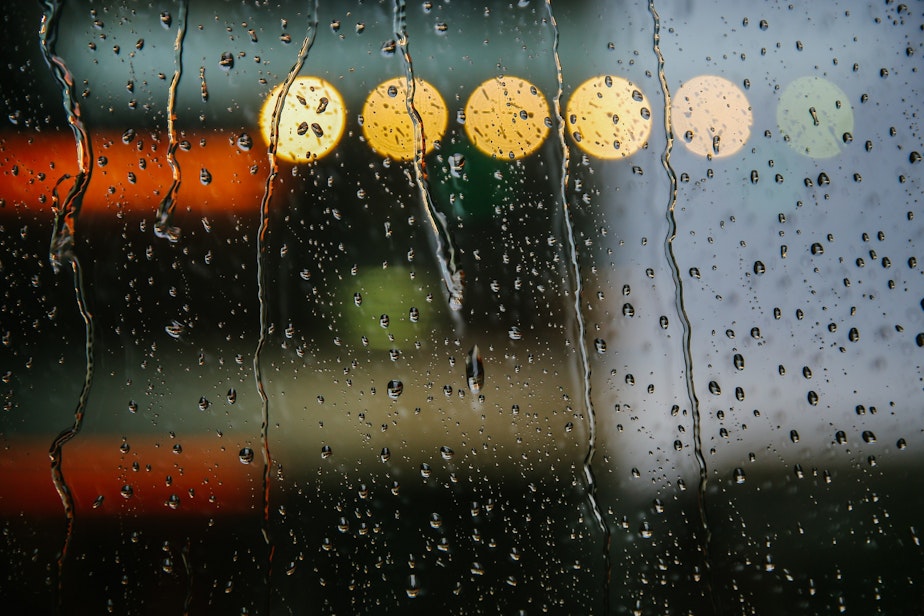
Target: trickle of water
column 163, row 226
column 680, row 302
column 474, row 370
column 444, row 247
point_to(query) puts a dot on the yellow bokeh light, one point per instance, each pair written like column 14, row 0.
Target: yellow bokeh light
column 711, row 116
column 609, row 117
column 815, row 117
column 311, row 123
column 387, row 125
column 507, row 117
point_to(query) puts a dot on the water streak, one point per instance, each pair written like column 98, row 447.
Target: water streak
column 575, row 274
column 307, row 43
column 444, row 249
column 61, row 252
column 163, row 226
column 679, row 299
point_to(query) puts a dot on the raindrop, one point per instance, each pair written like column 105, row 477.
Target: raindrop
column 203, row 403
column 414, row 314
column 901, row 444
column 246, row 455
column 166, row 19
column 132, row 406
column 226, row 63
column 812, row 398
column 853, row 335
column 840, row 437
column 425, row 470
column 628, row 310
column 868, row 436
column 759, row 267
column 127, row 491
column 385, row 454
column 514, row 333
column 794, row 436
column 413, row 586
column 244, row 142
column 395, row 388
column 358, row 299
column 326, row 452
column 738, row 360
column 205, row 177
column 384, row 321
column 232, row 396
column 600, row 345
column 474, row 370
column 663, row 322
column 446, row 453
column 739, row 475
column 714, row 388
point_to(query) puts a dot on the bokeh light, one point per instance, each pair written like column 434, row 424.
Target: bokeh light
column 815, row 117
column 311, row 123
column 608, row 117
column 507, row 117
column 711, row 116
column 387, row 125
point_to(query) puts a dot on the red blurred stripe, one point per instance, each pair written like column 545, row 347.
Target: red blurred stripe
column 31, row 165
column 95, row 467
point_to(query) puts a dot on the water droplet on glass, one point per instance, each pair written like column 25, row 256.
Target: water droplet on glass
column 840, row 437
column 395, row 388
column 446, row 452
column 226, row 62
column 244, row 142
column 600, row 345
column 739, row 475
column 474, row 369
column 385, row 454
column 205, row 177
column 132, row 406
column 628, row 310
column 868, row 436
column 326, row 452
column 166, row 19
column 738, row 360
column 203, row 403
column 759, row 267
column 413, row 586
column 232, row 396
column 794, row 436
column 127, row 491
column 812, row 398
column 414, row 314
column 714, row 388
column 384, row 320
column 246, row 455
column 514, row 333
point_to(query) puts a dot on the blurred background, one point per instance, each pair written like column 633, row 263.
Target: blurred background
column 616, row 311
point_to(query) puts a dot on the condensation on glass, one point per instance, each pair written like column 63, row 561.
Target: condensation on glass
column 529, row 307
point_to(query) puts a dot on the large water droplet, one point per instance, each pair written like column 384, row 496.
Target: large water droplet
column 474, row 370
column 395, row 388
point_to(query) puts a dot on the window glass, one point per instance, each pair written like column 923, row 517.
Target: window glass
column 514, row 307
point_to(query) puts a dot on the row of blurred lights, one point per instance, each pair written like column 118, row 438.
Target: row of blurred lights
column 507, row 117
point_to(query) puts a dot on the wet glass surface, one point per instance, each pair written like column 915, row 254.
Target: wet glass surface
column 376, row 307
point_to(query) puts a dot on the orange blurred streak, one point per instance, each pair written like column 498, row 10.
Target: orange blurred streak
column 95, row 468
column 30, row 165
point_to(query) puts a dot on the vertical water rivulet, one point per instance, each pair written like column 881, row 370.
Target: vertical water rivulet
column 575, row 272
column 62, row 251
column 162, row 226
column 444, row 249
column 307, row 43
column 681, row 309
